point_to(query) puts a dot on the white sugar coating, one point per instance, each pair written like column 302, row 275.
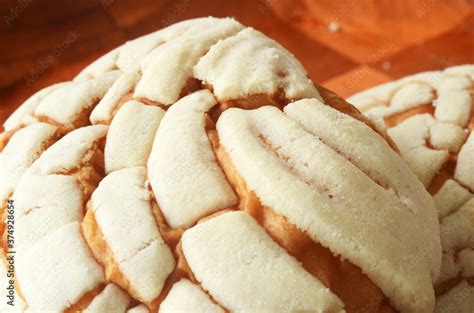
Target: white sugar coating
column 450, row 85
column 355, row 141
column 367, row 103
column 238, row 263
column 456, row 264
column 457, row 229
column 139, row 309
column 466, row 261
column 183, row 171
column 24, row 115
column 67, row 104
column 44, row 204
column 332, row 203
column 55, row 272
column 451, row 82
column 134, row 51
column 131, row 135
column 156, row 261
column 381, row 94
column 411, row 136
column 184, row 296
column 103, row 111
column 23, row 148
column 454, row 106
column 412, row 95
column 123, row 212
column 462, row 70
column 395, row 97
column 67, row 153
column 167, row 69
column 459, row 299
column 435, row 140
column 447, row 136
column 252, row 64
column 449, row 268
column 417, row 126
column 464, row 171
column 111, row 299
column 103, row 64
column 426, row 162
column 451, row 197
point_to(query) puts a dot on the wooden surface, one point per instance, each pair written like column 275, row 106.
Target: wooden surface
column 345, row 45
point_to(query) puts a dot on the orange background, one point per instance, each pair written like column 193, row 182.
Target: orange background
column 48, row 41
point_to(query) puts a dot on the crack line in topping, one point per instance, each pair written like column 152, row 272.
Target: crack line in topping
column 88, row 162
column 358, row 125
column 80, row 168
column 324, row 191
column 182, row 270
column 116, row 257
column 184, row 175
column 96, row 243
column 280, row 229
column 245, row 202
column 258, row 123
column 440, row 177
column 429, row 108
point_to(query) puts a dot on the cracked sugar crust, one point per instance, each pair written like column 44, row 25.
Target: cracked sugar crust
column 57, row 260
column 320, row 200
column 166, row 70
column 185, row 296
column 131, row 134
column 111, row 299
column 128, row 227
column 178, row 118
column 21, row 151
column 183, row 170
column 259, row 276
column 70, row 105
column 430, row 116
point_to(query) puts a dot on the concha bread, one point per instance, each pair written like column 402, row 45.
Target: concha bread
column 199, row 167
column 430, row 116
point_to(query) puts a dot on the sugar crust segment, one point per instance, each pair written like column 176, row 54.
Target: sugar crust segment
column 273, row 279
column 332, row 203
column 183, row 170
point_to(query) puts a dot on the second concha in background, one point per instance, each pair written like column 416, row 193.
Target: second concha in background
column 430, row 117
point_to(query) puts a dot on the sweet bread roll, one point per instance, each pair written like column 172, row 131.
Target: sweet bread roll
column 430, row 116
column 198, row 168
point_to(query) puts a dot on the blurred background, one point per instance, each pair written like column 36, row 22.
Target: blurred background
column 345, row 45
